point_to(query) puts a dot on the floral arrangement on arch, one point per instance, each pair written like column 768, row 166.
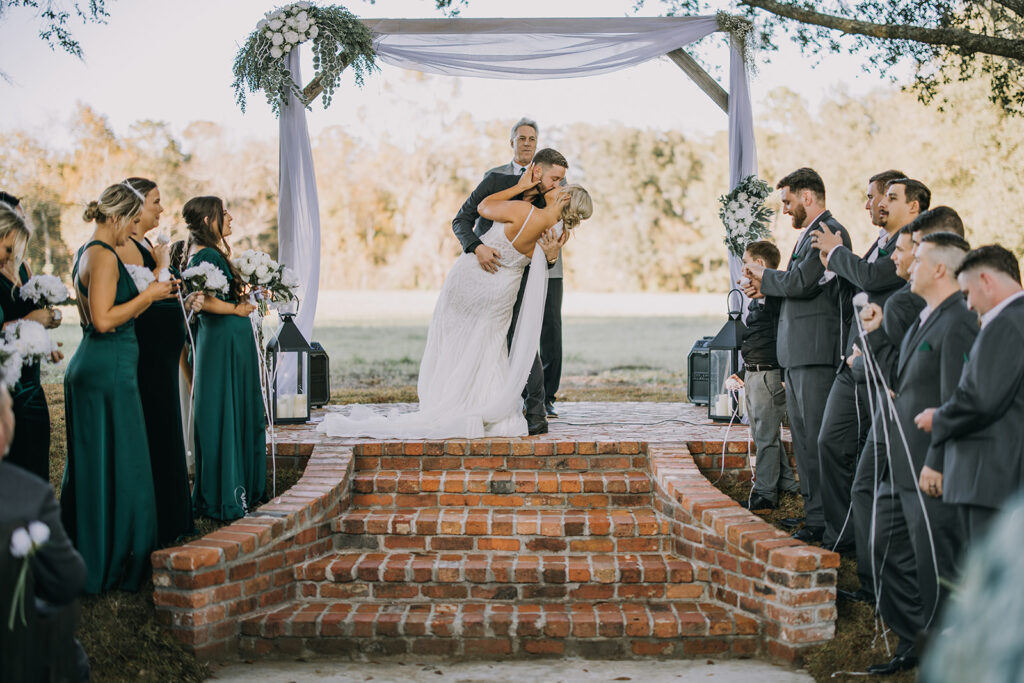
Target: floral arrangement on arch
column 745, row 215
column 338, row 39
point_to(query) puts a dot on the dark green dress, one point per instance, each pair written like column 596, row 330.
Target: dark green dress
column 161, row 334
column 230, row 430
column 30, row 448
column 107, row 495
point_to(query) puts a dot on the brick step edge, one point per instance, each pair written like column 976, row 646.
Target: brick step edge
column 602, row 501
column 484, row 630
column 501, row 482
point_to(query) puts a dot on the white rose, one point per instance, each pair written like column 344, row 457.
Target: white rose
column 287, row 48
column 21, row 542
column 275, row 24
column 262, row 273
column 291, row 21
column 39, row 532
column 304, row 4
column 291, row 36
column 269, row 35
column 302, row 27
column 277, row 39
column 302, row 17
column 313, row 32
column 276, row 53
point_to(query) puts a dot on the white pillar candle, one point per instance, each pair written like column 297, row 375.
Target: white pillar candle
column 300, row 406
column 284, row 405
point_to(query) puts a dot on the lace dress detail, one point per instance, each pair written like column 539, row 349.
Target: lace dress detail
column 469, row 384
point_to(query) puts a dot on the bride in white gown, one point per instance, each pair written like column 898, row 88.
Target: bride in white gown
column 470, row 382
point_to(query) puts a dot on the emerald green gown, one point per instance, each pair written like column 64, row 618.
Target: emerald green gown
column 107, row 501
column 230, row 429
column 30, row 448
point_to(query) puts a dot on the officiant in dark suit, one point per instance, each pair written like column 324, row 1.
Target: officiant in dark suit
column 43, row 648
column 919, row 538
column 523, row 141
column 847, row 415
column 976, row 460
column 810, row 331
column 549, row 167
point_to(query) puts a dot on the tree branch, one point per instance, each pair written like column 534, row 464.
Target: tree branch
column 1015, row 6
column 965, row 40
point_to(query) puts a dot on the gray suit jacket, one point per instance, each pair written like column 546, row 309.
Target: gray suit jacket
column 900, row 312
column 57, row 567
column 810, row 323
column 931, row 359
column 879, row 279
column 554, row 271
column 982, row 423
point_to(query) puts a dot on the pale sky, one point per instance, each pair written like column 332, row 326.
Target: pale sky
column 171, row 61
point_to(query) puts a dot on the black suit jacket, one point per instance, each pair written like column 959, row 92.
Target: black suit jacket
column 878, row 279
column 57, row 567
column 811, row 319
column 467, row 228
column 931, row 359
column 982, row 423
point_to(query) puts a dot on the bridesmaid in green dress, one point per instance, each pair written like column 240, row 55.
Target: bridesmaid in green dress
column 30, row 448
column 230, row 436
column 160, row 331
column 107, row 494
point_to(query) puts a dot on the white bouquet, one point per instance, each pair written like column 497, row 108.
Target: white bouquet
column 44, row 290
column 206, row 277
column 24, row 544
column 258, row 269
column 142, row 276
column 288, row 27
column 10, row 365
column 744, row 214
column 30, row 340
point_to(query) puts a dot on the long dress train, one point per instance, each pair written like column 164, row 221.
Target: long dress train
column 470, row 382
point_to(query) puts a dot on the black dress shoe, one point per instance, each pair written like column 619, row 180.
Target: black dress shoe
column 859, row 595
column 536, row 424
column 757, row 502
column 810, row 534
column 791, row 522
column 549, row 408
column 893, row 666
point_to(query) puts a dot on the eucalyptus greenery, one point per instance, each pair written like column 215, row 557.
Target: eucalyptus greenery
column 338, row 39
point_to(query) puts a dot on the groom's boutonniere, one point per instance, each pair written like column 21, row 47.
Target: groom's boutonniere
column 24, row 544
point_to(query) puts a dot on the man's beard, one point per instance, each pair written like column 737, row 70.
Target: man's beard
column 799, row 216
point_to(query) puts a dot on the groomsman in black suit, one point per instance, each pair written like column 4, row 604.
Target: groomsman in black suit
column 919, row 538
column 847, row 415
column 976, row 460
column 58, row 577
column 549, row 167
column 810, row 337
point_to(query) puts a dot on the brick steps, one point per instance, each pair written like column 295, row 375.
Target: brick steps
column 504, row 456
column 520, row 482
column 486, row 630
column 427, row 576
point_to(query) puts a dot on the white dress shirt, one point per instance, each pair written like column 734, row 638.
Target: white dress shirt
column 998, row 308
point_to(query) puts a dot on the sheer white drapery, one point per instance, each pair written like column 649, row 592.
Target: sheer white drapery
column 495, row 48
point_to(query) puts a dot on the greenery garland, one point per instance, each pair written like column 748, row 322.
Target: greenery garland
column 744, row 214
column 338, row 38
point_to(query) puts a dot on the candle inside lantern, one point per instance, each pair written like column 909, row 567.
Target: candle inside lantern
column 285, row 403
column 300, row 406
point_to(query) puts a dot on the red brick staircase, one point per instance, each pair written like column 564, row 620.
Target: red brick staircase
column 511, row 555
column 500, row 549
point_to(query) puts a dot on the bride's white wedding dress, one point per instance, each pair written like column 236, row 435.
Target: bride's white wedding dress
column 470, row 384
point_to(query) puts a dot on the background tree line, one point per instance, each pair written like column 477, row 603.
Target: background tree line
column 386, row 210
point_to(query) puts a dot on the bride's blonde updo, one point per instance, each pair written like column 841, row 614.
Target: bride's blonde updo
column 120, row 201
column 579, row 208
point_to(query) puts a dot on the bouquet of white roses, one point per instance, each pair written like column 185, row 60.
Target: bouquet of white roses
column 142, row 276
column 259, row 270
column 287, row 27
column 206, row 277
column 30, row 340
column 44, row 290
column 744, row 214
column 10, row 365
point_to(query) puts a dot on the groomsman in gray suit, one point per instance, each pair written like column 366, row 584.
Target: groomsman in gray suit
column 919, row 538
column 810, row 331
column 847, row 416
column 524, row 143
column 976, row 459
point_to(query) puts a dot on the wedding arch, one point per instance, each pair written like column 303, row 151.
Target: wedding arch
column 506, row 49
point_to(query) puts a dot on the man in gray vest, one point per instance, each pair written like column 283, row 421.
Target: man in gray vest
column 976, row 460
column 523, row 141
column 810, row 331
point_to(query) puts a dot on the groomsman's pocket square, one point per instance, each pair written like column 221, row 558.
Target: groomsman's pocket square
column 925, row 346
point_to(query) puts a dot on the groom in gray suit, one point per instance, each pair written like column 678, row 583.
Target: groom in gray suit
column 810, row 331
column 976, row 458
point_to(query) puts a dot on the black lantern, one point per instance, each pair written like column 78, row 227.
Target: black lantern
column 288, row 363
column 723, row 362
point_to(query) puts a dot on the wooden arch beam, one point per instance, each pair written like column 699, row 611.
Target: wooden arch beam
column 701, row 77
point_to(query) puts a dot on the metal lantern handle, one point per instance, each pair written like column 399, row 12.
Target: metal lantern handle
column 735, row 314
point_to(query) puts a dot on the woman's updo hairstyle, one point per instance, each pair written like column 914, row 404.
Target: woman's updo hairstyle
column 121, row 201
column 204, row 218
column 579, row 208
column 143, row 185
column 11, row 222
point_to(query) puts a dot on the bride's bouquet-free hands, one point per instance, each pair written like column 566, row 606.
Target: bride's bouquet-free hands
column 272, row 284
